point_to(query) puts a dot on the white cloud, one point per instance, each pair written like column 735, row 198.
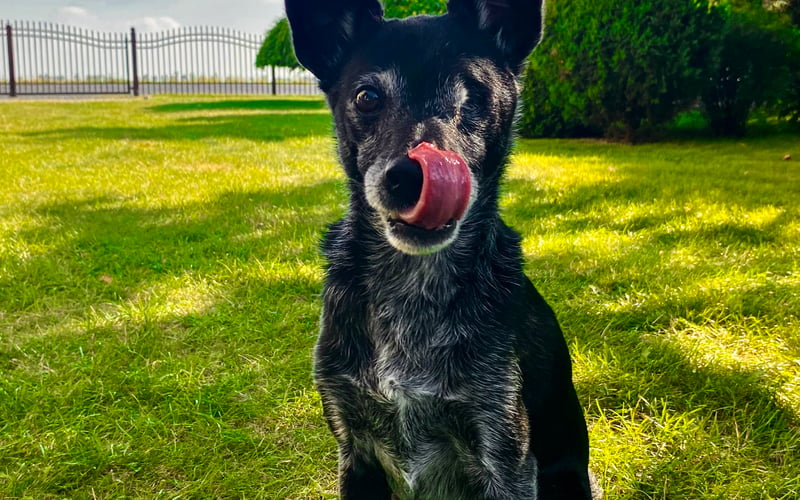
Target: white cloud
column 77, row 16
column 83, row 18
column 73, row 11
column 253, row 16
column 161, row 23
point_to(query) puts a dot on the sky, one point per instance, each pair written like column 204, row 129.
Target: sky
column 252, row 16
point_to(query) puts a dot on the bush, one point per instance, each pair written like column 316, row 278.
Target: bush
column 618, row 68
column 401, row 8
column 756, row 69
column 788, row 104
column 793, row 9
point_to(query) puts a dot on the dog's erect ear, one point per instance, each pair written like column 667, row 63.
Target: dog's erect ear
column 323, row 30
column 515, row 25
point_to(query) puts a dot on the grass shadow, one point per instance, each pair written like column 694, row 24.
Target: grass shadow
column 662, row 278
column 671, row 410
column 133, row 246
column 257, row 127
column 127, row 390
column 131, row 400
column 241, row 104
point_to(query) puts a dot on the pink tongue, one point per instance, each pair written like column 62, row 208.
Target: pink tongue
column 445, row 191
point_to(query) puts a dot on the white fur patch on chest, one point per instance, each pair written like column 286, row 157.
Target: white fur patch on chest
column 430, row 457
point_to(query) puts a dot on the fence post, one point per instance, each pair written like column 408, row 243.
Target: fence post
column 274, row 85
column 12, row 77
column 135, row 61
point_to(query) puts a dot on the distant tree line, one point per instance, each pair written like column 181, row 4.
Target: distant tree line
column 624, row 69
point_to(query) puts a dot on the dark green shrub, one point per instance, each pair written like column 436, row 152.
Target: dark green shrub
column 619, row 68
column 793, row 9
column 788, row 104
column 756, row 68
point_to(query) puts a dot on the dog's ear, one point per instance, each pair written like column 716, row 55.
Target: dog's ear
column 324, row 30
column 514, row 25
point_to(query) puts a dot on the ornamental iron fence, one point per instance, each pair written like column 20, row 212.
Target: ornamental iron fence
column 48, row 59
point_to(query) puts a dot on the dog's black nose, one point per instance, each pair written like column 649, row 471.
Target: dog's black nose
column 403, row 184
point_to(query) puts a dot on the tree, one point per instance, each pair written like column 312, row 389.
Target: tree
column 277, row 49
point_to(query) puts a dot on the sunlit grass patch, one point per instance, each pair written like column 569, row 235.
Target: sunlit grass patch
column 674, row 269
column 159, row 298
column 160, row 280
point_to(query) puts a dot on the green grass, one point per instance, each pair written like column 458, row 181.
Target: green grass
column 159, row 294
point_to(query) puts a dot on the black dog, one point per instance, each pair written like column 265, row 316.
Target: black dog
column 443, row 373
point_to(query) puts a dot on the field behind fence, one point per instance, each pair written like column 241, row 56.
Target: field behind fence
column 39, row 58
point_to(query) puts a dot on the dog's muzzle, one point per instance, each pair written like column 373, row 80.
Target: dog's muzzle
column 426, row 194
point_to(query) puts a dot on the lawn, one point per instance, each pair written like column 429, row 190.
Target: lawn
column 159, row 294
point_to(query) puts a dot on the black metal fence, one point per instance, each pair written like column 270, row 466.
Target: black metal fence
column 47, row 59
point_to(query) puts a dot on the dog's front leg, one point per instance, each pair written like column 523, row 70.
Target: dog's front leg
column 360, row 475
column 361, row 479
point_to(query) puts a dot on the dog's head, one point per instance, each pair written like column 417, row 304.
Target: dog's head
column 423, row 106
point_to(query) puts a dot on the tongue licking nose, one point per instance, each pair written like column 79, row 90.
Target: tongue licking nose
column 445, row 190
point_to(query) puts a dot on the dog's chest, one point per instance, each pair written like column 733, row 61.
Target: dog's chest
column 415, row 354
column 418, row 375
column 419, row 396
column 414, row 434
column 413, row 375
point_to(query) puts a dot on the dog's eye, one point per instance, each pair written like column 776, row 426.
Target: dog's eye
column 477, row 98
column 368, row 100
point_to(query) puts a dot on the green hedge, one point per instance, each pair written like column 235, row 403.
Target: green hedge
column 759, row 67
column 619, row 68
